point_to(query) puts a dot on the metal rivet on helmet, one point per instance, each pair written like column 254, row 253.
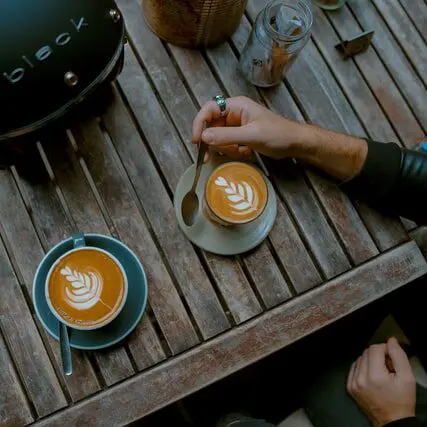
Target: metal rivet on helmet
column 71, row 79
column 115, row 15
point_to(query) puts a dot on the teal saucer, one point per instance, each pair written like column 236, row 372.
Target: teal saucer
column 124, row 323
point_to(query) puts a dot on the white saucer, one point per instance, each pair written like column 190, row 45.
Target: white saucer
column 216, row 239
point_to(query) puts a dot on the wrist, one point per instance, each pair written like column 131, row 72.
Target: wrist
column 306, row 142
column 342, row 156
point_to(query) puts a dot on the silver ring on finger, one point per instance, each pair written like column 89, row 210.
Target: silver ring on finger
column 222, row 104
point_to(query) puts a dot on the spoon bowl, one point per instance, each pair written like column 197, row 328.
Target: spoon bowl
column 190, row 208
column 190, row 203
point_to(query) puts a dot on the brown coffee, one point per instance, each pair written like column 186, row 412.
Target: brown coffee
column 236, row 193
column 87, row 288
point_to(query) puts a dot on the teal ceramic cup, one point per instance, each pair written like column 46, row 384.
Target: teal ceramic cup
column 131, row 312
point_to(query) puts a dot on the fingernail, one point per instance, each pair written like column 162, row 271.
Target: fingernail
column 207, row 136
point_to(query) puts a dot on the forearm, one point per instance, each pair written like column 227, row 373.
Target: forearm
column 389, row 177
column 341, row 156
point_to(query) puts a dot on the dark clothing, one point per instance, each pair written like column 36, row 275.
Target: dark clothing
column 408, row 422
column 392, row 179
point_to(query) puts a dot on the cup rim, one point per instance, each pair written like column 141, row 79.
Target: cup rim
column 72, row 325
column 224, row 219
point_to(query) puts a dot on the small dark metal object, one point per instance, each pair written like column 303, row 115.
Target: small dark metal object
column 71, row 79
column 115, row 15
column 356, row 45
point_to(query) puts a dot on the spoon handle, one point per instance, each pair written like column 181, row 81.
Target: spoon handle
column 65, row 349
column 200, row 157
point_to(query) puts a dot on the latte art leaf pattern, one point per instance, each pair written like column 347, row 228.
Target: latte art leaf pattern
column 85, row 289
column 241, row 196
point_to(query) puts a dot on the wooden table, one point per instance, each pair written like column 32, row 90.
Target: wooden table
column 208, row 316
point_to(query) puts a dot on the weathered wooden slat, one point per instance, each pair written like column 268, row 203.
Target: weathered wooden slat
column 165, row 76
column 173, row 160
column 292, row 253
column 407, row 35
column 320, row 87
column 299, row 265
column 19, row 230
column 193, row 281
column 81, row 202
column 155, row 124
column 145, row 346
column 266, row 277
column 420, row 236
column 326, row 96
column 306, row 210
column 87, row 215
column 382, row 85
column 351, row 81
column 196, row 72
column 24, row 342
column 386, row 230
column 234, row 287
column 118, row 198
column 417, row 10
column 47, row 212
column 14, row 408
column 393, row 57
column 148, row 392
column 28, row 252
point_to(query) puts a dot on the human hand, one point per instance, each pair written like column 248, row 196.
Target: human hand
column 247, row 126
column 384, row 393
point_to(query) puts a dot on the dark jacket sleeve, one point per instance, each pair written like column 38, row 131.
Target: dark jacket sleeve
column 407, row 422
column 394, row 180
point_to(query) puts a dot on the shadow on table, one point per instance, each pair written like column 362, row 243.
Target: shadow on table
column 20, row 151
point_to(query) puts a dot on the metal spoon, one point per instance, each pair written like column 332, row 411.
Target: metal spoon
column 190, row 203
column 64, row 342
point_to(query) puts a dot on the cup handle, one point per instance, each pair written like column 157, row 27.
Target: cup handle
column 79, row 240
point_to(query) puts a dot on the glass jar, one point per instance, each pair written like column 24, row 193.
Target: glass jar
column 330, row 4
column 279, row 33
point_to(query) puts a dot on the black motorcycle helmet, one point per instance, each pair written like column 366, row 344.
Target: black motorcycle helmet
column 53, row 55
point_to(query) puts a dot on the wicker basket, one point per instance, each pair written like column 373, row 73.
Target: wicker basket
column 193, row 23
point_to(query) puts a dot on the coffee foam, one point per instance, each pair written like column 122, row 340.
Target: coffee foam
column 237, row 192
column 87, row 287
